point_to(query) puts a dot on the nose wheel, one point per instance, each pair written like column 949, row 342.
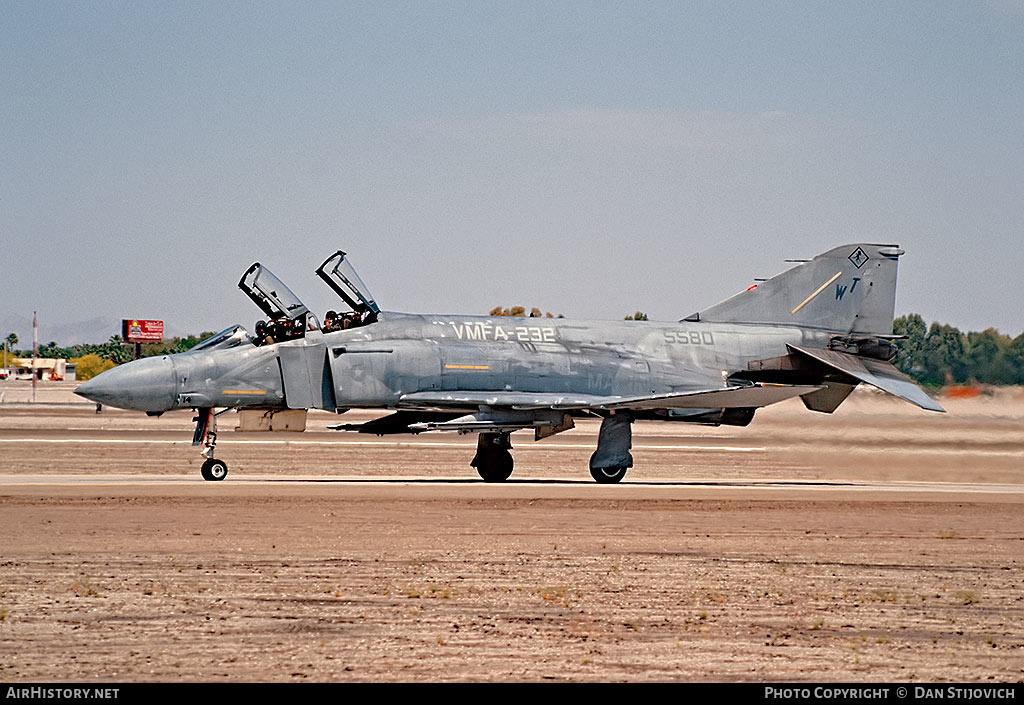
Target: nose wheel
column 213, row 469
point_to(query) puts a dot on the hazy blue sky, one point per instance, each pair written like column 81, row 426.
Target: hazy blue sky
column 589, row 158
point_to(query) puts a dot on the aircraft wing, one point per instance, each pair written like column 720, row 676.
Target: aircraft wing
column 875, row 372
column 747, row 396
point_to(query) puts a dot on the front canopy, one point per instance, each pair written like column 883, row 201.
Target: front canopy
column 270, row 294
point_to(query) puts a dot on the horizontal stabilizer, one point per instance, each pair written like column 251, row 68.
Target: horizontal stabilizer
column 874, row 372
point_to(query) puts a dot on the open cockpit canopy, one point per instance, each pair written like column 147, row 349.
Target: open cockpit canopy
column 270, row 294
column 339, row 274
column 288, row 317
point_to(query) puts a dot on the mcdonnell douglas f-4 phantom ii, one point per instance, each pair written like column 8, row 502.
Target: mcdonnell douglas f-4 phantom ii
column 815, row 331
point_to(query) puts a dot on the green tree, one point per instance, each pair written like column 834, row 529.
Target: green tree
column 944, row 355
column 52, row 350
column 910, row 352
column 114, row 350
column 987, row 357
column 520, row 312
column 638, row 316
column 1015, row 358
column 173, row 345
column 11, row 340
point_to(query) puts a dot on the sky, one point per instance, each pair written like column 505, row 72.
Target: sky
column 588, row 158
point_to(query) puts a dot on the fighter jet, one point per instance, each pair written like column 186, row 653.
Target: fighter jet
column 815, row 331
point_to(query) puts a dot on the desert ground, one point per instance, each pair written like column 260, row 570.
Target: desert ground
column 880, row 543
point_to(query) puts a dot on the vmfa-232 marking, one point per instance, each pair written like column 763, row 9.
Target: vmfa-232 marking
column 488, row 330
column 497, row 332
column 815, row 331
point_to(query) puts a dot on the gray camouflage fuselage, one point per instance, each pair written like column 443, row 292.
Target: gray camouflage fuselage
column 377, row 366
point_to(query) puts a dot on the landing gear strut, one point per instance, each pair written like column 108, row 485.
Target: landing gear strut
column 493, row 460
column 610, row 461
column 206, row 436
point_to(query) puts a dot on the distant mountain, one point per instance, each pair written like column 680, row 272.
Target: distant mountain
column 94, row 330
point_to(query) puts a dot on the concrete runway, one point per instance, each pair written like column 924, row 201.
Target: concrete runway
column 552, row 488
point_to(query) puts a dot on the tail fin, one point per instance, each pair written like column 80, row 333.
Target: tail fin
column 850, row 289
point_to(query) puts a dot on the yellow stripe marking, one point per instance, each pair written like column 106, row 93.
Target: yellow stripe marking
column 467, row 367
column 243, row 391
column 818, row 291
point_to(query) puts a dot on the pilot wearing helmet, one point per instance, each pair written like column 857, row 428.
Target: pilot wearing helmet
column 263, row 334
column 331, row 322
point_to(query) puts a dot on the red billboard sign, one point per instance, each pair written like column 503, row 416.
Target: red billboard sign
column 136, row 330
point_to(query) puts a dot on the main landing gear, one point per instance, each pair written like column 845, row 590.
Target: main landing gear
column 493, row 460
column 610, row 461
column 213, row 469
column 608, row 464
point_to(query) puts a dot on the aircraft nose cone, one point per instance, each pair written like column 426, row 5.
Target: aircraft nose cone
column 144, row 385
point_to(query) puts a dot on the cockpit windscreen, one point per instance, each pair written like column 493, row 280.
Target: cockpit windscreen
column 227, row 338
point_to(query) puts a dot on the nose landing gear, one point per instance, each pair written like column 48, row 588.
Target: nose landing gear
column 213, row 469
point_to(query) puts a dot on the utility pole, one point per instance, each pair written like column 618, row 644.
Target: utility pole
column 35, row 352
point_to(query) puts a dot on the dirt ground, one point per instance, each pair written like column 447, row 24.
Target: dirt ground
column 882, row 543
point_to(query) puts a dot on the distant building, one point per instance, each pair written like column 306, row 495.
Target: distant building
column 49, row 368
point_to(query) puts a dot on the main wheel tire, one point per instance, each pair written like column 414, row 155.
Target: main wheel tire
column 214, row 470
column 608, row 476
column 496, row 467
